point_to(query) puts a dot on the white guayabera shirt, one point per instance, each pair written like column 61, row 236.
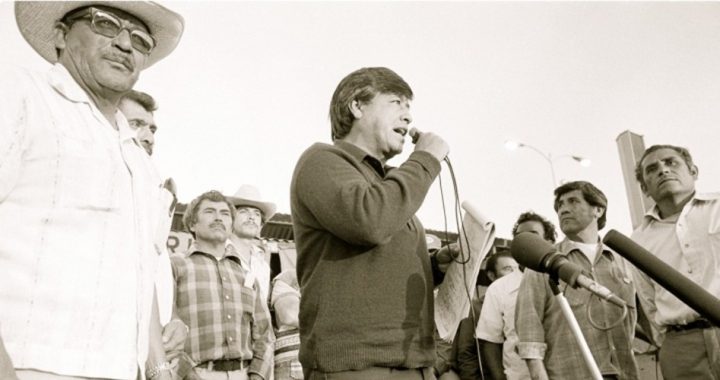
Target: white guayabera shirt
column 78, row 209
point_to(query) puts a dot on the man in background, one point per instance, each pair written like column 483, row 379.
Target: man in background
column 230, row 333
column 496, row 327
column 250, row 216
column 545, row 339
column 683, row 230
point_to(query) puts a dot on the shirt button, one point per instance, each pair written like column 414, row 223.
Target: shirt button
column 230, row 339
column 689, row 270
column 687, row 245
column 227, row 297
column 224, row 278
column 229, row 316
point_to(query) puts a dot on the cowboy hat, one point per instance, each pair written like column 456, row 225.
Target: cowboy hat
column 249, row 195
column 36, row 21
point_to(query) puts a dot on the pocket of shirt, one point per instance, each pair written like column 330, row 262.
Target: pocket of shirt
column 89, row 171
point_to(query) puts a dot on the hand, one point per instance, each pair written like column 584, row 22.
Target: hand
column 446, row 255
column 431, row 143
column 174, row 335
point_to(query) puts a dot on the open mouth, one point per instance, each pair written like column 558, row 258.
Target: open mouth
column 402, row 131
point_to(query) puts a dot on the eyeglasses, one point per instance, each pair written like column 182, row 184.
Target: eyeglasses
column 109, row 25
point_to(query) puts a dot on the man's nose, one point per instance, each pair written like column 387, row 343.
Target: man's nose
column 123, row 42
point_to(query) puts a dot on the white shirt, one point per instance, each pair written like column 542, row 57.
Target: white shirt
column 77, row 202
column 497, row 322
column 690, row 244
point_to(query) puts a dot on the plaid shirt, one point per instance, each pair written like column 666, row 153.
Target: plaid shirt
column 543, row 332
column 220, row 304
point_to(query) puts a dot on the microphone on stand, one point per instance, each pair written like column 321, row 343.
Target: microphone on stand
column 535, row 253
column 680, row 286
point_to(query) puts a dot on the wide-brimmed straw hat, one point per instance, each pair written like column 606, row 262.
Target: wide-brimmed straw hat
column 36, row 20
column 249, row 195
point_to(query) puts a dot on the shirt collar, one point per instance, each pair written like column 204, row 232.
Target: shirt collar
column 361, row 155
column 230, row 250
column 654, row 212
column 61, row 80
column 566, row 246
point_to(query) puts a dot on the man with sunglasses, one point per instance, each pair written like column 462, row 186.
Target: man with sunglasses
column 79, row 198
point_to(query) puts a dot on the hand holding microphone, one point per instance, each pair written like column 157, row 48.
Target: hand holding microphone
column 429, row 142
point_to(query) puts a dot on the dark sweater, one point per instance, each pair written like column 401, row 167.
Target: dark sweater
column 362, row 260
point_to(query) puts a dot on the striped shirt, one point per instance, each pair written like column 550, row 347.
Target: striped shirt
column 78, row 210
column 220, row 303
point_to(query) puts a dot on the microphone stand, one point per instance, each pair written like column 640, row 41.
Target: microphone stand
column 575, row 328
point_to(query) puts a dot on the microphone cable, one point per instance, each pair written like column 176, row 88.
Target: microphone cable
column 461, row 258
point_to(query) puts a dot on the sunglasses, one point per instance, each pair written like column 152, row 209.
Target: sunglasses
column 107, row 24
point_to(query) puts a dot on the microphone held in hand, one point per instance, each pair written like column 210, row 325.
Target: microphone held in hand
column 534, row 252
column 414, row 134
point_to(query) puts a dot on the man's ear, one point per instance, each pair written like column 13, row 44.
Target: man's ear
column 694, row 171
column 600, row 211
column 59, row 35
column 356, row 109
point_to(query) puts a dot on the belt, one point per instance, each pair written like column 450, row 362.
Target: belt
column 225, row 364
column 701, row 323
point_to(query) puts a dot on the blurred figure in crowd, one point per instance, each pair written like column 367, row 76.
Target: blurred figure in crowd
column 496, row 327
column 252, row 213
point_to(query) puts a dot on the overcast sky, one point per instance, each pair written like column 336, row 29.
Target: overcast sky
column 248, row 88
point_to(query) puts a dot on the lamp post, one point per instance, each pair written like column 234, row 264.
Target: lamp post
column 514, row 145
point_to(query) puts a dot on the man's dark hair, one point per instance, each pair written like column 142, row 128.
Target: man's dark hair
column 144, row 100
column 191, row 212
column 529, row 216
column 683, row 152
column 591, row 194
column 491, row 264
column 362, row 86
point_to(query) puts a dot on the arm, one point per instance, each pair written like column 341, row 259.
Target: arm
column 262, row 340
column 533, row 296
column 490, row 332
column 156, row 355
column 492, row 358
column 646, row 307
column 285, row 300
column 536, row 367
column 331, row 186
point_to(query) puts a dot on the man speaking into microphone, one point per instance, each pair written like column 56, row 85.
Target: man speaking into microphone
column 545, row 339
column 366, row 310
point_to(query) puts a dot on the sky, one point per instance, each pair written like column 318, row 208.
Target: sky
column 248, row 89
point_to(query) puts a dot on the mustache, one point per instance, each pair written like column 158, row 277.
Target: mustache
column 123, row 59
column 213, row 225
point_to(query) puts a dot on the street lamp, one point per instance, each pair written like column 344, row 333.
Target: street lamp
column 514, row 145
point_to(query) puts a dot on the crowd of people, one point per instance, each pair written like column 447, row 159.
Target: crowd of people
column 88, row 289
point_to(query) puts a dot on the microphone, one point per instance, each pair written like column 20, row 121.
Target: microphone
column 680, row 286
column 414, row 134
column 534, row 252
